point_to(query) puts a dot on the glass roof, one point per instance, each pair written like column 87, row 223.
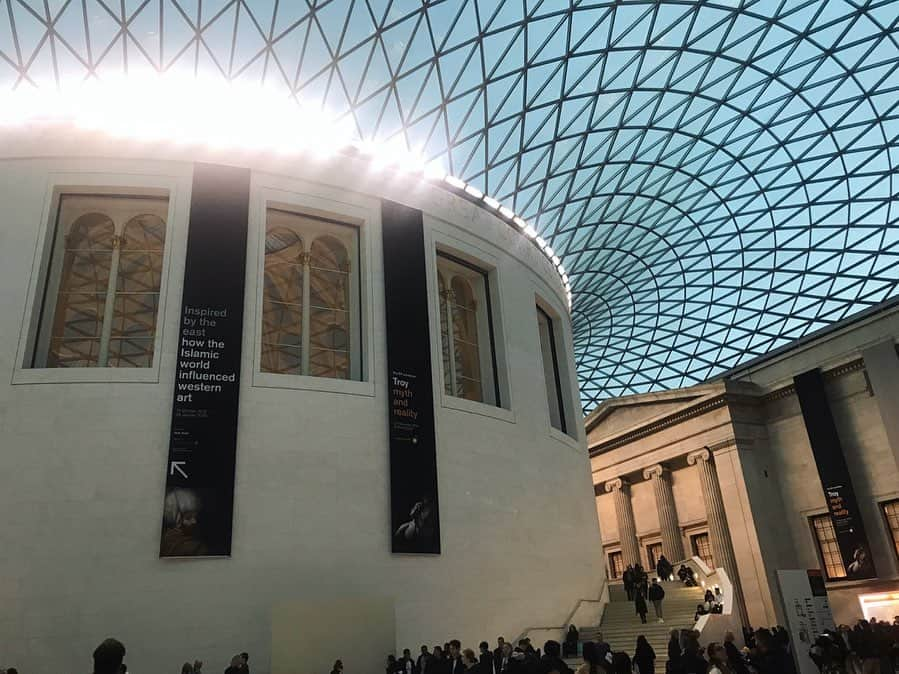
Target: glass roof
column 719, row 178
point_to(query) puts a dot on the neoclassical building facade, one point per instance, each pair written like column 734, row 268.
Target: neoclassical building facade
column 725, row 471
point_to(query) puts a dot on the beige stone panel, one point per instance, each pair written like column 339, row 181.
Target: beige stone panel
column 608, row 525
column 753, row 577
column 646, row 514
column 687, row 497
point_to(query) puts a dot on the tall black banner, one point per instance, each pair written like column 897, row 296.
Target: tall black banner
column 199, row 495
column 415, row 515
column 834, row 474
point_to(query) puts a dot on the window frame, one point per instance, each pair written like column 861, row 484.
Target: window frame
column 695, row 549
column 892, row 534
column 324, row 225
column 443, row 235
column 101, row 182
column 816, row 542
column 610, row 567
column 330, row 205
column 556, row 368
column 485, row 348
column 567, row 387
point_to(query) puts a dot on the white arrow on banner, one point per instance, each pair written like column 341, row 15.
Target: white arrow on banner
column 176, row 465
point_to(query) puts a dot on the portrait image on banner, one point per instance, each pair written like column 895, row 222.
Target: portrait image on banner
column 199, row 498
column 414, row 506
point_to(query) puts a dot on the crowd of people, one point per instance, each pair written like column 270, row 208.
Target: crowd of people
column 869, row 648
column 640, row 590
column 109, row 658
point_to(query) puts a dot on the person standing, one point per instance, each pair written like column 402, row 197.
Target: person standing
column 594, row 660
column 108, row 657
column 551, row 660
column 640, row 605
column 674, row 653
column 498, row 654
column 656, row 595
column 644, row 657
column 407, row 664
column 505, row 660
column 718, row 662
column 485, row 658
column 470, row 662
column 421, row 664
column 734, row 657
column 456, row 666
column 569, row 648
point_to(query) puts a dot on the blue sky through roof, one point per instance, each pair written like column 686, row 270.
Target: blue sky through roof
column 719, row 177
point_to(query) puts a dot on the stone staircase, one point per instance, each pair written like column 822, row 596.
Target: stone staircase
column 621, row 625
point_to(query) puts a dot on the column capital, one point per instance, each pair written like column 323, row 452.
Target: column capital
column 656, row 471
column 699, row 455
column 615, row 485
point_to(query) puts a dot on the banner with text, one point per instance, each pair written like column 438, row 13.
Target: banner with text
column 199, row 495
column 834, row 474
column 807, row 611
column 415, row 515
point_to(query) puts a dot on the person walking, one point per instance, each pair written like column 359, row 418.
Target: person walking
column 640, row 606
column 629, row 579
column 656, row 595
column 644, row 657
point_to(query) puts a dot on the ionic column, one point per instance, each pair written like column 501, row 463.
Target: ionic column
column 719, row 533
column 624, row 514
column 672, row 543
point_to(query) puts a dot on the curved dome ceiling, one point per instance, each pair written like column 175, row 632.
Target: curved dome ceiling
column 718, row 177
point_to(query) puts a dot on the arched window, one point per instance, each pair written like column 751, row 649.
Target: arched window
column 469, row 368
column 310, row 312
column 103, row 283
column 138, row 282
column 329, row 300
column 445, row 322
column 81, row 300
column 282, row 304
column 466, row 348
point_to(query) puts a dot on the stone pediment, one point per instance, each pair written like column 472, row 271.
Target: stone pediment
column 613, row 417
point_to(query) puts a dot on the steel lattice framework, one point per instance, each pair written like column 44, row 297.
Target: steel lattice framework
column 718, row 177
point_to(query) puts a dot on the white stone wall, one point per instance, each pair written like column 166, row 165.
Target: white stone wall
column 82, row 465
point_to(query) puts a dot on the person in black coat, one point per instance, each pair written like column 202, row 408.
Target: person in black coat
column 674, row 652
column 734, row 657
column 644, row 657
column 498, row 655
column 640, row 606
column 628, row 579
column 569, row 648
column 552, row 660
column 485, row 658
column 456, row 666
column 422, row 663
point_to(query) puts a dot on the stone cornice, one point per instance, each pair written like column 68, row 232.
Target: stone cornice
column 856, row 365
